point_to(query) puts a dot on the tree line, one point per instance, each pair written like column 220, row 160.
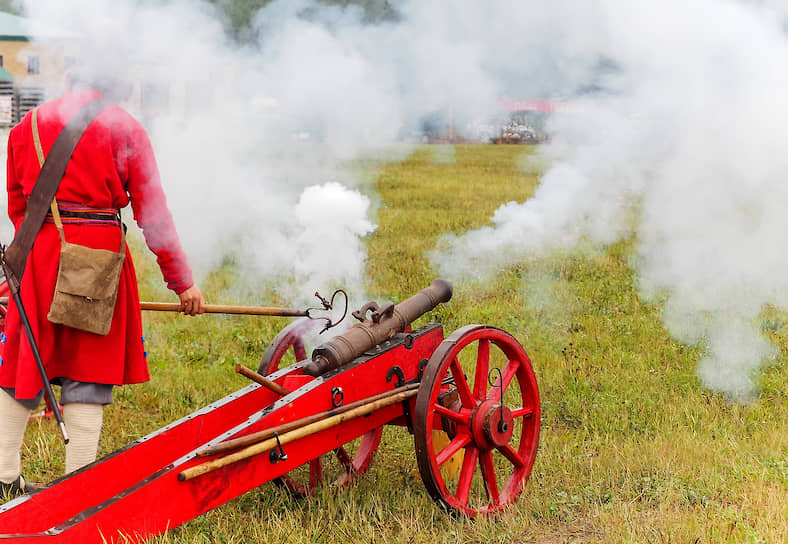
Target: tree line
column 239, row 13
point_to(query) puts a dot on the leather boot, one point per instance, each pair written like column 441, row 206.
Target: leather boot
column 20, row 486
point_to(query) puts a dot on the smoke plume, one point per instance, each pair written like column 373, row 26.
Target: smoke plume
column 685, row 124
column 243, row 130
column 672, row 109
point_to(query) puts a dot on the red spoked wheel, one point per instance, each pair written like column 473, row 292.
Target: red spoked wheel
column 347, row 462
column 291, row 338
column 480, row 390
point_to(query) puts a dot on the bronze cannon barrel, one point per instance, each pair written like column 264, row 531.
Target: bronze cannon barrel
column 382, row 324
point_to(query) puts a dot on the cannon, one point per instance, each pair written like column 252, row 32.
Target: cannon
column 470, row 400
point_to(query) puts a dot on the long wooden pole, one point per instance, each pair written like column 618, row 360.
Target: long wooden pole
column 306, row 430
column 227, row 309
column 254, row 438
column 217, row 309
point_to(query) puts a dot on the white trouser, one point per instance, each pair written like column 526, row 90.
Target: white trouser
column 13, row 420
column 83, row 425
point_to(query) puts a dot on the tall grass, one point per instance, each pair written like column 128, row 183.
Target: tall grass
column 633, row 449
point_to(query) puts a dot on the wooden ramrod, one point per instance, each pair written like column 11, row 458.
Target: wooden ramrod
column 382, row 323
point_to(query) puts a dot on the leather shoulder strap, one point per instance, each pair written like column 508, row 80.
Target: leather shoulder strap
column 46, row 186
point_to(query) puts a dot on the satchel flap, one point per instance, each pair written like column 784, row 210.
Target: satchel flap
column 87, row 272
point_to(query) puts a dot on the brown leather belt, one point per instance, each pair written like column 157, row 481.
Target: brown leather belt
column 96, row 216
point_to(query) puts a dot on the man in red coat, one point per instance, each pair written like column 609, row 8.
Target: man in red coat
column 113, row 166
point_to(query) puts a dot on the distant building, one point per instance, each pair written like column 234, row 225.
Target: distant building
column 28, row 68
column 525, row 119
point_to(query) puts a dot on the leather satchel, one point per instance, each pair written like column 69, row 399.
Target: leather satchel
column 87, row 279
column 86, row 288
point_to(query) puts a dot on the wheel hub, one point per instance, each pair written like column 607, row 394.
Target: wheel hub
column 491, row 425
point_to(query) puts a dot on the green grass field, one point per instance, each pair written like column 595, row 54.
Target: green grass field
column 632, row 448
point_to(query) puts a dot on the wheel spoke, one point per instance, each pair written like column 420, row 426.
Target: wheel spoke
column 508, row 373
column 458, row 417
column 453, row 447
column 466, row 475
column 315, row 473
column 344, row 459
column 299, row 350
column 512, row 455
column 482, row 369
column 490, row 480
column 466, row 397
column 525, row 411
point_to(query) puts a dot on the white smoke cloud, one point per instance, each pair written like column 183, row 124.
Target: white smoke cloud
column 677, row 109
column 690, row 128
column 330, row 216
column 230, row 146
column 245, row 131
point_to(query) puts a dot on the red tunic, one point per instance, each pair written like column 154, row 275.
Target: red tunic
column 112, row 166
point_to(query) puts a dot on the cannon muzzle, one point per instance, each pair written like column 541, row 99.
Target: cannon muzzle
column 382, row 323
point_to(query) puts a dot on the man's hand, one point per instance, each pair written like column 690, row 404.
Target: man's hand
column 192, row 302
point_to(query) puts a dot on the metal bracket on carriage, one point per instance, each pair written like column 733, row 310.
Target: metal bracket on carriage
column 378, row 312
column 277, row 454
column 328, row 305
column 395, row 370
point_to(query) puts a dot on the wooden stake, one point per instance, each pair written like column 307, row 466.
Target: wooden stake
column 262, row 380
column 302, row 432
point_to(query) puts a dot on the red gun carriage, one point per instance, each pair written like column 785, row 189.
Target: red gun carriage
column 470, row 400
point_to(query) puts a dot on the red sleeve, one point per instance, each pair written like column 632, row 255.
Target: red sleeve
column 16, row 198
column 150, row 209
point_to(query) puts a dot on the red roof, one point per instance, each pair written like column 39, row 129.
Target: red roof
column 534, row 104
